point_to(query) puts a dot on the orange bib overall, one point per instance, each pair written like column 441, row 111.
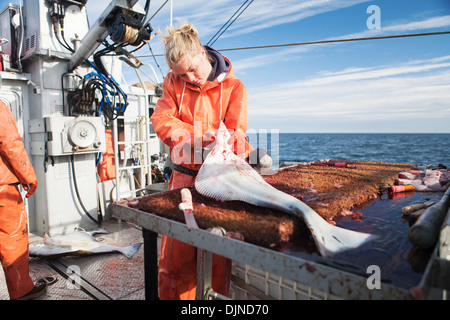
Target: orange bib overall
column 183, row 114
column 15, row 169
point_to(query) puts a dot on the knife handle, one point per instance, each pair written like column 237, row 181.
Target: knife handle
column 186, row 199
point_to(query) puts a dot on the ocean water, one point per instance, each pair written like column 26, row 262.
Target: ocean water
column 401, row 264
column 388, row 147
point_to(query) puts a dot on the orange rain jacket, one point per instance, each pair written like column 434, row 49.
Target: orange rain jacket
column 185, row 112
column 15, row 168
column 180, row 113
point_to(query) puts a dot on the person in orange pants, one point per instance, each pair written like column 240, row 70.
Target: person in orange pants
column 178, row 261
column 15, row 169
column 199, row 92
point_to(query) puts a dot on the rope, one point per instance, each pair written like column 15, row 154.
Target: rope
column 339, row 40
column 326, row 41
column 131, row 35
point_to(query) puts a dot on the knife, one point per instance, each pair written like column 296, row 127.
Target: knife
column 187, row 208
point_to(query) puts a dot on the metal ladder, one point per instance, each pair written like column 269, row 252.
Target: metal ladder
column 139, row 171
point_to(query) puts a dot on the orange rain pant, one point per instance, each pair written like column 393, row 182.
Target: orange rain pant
column 178, row 261
column 14, row 242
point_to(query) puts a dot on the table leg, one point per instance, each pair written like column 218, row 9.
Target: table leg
column 150, row 264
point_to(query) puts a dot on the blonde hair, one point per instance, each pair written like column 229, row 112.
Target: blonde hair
column 179, row 41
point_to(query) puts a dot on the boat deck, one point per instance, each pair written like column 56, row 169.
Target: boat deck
column 108, row 276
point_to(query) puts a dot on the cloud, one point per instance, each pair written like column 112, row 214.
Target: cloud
column 265, row 59
column 430, row 23
column 261, row 14
column 265, row 14
column 381, row 98
column 407, row 94
column 375, row 73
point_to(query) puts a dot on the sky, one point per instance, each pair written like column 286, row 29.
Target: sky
column 388, row 85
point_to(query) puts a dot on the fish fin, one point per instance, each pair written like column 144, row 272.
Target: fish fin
column 331, row 240
column 222, row 135
column 130, row 251
column 46, row 239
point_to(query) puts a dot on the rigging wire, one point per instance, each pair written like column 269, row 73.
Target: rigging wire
column 157, row 11
column 154, row 58
column 146, row 10
column 211, row 42
column 325, row 42
column 339, row 40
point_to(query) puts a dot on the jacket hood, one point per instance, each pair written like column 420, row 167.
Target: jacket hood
column 220, row 63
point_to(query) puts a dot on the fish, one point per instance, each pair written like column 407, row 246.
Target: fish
column 78, row 243
column 227, row 177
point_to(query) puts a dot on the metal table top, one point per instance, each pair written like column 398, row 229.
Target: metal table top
column 319, row 274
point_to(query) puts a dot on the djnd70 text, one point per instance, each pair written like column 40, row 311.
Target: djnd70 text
column 246, row 309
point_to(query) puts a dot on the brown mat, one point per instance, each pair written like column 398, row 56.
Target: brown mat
column 261, row 226
column 330, row 189
column 327, row 189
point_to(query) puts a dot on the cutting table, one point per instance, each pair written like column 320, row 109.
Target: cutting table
column 335, row 278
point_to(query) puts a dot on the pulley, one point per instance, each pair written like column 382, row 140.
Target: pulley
column 82, row 134
column 124, row 27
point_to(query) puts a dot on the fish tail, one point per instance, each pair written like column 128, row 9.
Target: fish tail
column 331, row 239
column 130, row 251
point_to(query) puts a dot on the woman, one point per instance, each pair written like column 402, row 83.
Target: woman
column 199, row 92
